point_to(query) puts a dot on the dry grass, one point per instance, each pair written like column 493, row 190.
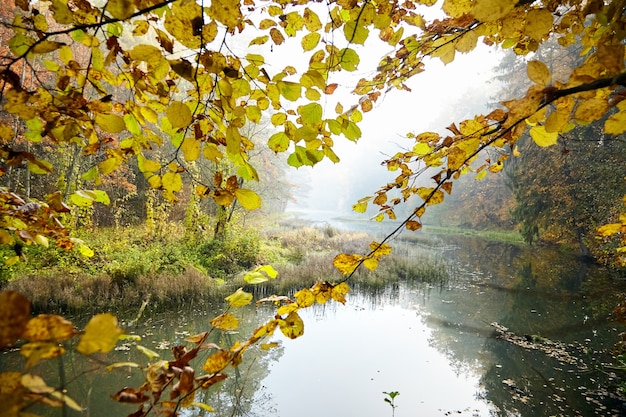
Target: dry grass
column 301, row 255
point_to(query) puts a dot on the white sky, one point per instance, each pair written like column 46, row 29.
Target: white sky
column 440, row 95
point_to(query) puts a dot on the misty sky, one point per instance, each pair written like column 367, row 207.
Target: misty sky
column 440, row 95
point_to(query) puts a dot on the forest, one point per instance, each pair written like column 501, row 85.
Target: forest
column 152, row 152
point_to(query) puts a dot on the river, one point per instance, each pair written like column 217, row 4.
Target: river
column 435, row 343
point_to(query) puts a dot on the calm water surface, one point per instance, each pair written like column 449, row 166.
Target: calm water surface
column 432, row 342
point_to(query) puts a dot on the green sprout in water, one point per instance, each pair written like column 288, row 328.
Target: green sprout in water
column 391, row 400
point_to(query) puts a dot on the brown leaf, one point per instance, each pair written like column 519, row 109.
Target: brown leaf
column 49, row 327
column 130, row 395
column 14, row 316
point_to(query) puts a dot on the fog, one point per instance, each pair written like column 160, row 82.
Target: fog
column 439, row 96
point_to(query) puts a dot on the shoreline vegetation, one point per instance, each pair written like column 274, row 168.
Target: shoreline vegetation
column 171, row 267
column 176, row 265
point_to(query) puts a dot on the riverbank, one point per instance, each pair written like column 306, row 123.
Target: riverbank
column 174, row 267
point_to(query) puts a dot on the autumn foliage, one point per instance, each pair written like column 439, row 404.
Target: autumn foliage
column 168, row 84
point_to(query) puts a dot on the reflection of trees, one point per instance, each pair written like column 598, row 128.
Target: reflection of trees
column 532, row 291
column 91, row 385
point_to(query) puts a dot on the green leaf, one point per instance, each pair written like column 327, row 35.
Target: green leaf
column 310, row 113
column 349, row 59
column 278, row 142
column 260, row 274
column 290, row 90
column 355, row 33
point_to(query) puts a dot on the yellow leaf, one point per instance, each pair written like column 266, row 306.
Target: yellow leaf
column 339, row 291
column 14, row 316
column 304, row 298
column 40, row 167
column 150, row 354
column 109, row 165
column 225, row 322
column 360, row 207
column 588, row 111
column 110, row 123
column 456, row 158
column 179, row 115
column 49, row 328
column 371, row 263
column 191, row 148
column 467, row 42
column 490, row 10
column 239, row 298
column 616, row 124
column 430, row 196
column 248, row 199
column 610, row 229
column 147, row 53
column 217, row 361
column 172, row 181
column 45, row 47
column 268, row 346
column 538, row 72
column 413, row 225
column 310, row 41
column 6, row 238
column 292, row 326
column 557, row 120
column 287, row 309
column 212, row 153
column 122, row 365
column 154, row 181
column 455, row 8
column 542, row 137
column 120, row 9
column 184, row 22
column 538, row 24
column 381, row 249
column 227, row 12
column 101, row 335
column 347, row 263
column 35, row 352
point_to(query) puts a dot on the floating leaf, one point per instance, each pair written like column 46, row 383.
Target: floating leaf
column 150, row 354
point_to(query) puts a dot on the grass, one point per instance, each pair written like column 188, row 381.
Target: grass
column 175, row 268
column 506, row 236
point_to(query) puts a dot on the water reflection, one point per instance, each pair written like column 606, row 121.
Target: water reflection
column 433, row 341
